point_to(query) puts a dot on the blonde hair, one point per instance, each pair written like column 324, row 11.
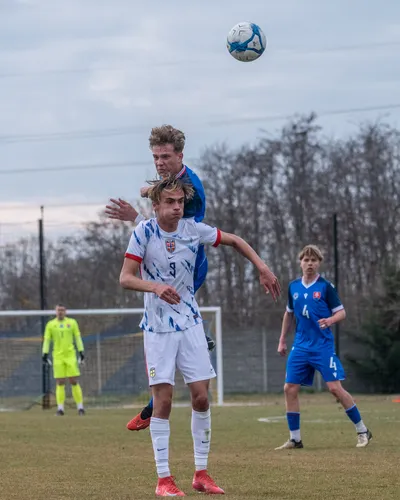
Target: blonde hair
column 167, row 134
column 170, row 183
column 311, row 251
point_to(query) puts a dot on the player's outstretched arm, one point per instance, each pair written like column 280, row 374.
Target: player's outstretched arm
column 267, row 278
column 128, row 279
column 122, row 210
column 286, row 326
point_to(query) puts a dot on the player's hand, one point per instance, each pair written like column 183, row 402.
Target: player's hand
column 167, row 293
column 144, row 191
column 46, row 359
column 81, row 359
column 270, row 282
column 282, row 348
column 121, row 210
column 325, row 323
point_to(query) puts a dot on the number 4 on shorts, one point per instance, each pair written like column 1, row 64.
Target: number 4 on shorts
column 332, row 364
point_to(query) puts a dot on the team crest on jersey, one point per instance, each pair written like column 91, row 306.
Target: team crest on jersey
column 170, row 245
column 152, row 372
column 68, row 325
column 316, row 295
column 295, row 296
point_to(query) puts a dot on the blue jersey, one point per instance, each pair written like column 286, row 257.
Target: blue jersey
column 309, row 303
column 196, row 207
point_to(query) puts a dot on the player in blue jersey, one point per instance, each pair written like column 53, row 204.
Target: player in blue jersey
column 167, row 144
column 315, row 305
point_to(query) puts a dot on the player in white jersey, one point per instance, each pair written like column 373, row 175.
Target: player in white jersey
column 164, row 250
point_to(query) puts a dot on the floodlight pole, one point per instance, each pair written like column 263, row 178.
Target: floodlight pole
column 43, row 306
column 336, row 270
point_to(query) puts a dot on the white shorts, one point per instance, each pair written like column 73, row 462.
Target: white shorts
column 186, row 350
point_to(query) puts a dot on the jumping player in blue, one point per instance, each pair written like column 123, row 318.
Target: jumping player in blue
column 167, row 144
column 315, row 305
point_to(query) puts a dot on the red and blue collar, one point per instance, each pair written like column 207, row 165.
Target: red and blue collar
column 181, row 172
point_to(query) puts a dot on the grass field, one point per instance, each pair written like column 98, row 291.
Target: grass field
column 95, row 457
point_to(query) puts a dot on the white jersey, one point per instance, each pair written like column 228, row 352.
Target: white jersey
column 170, row 258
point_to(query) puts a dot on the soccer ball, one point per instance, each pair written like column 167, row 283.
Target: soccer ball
column 246, row 42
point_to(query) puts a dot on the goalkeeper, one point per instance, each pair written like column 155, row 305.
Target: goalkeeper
column 63, row 331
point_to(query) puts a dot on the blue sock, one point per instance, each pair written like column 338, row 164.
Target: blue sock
column 147, row 410
column 355, row 417
column 293, row 419
column 353, row 414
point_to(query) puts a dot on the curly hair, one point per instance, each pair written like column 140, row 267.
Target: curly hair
column 170, row 183
column 167, row 134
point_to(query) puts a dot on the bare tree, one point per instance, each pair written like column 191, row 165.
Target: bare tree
column 278, row 194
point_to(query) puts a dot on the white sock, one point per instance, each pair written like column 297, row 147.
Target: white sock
column 201, row 432
column 160, row 431
column 360, row 427
column 60, row 407
column 80, row 406
column 295, row 435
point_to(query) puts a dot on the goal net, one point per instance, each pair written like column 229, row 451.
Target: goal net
column 114, row 371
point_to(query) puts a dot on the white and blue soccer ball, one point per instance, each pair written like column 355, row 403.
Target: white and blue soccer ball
column 246, row 42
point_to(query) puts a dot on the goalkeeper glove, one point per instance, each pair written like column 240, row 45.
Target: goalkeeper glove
column 210, row 343
column 81, row 358
column 45, row 358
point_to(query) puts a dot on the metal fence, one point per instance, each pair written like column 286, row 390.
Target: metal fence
column 115, row 372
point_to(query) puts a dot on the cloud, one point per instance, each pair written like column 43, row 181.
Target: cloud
column 97, row 64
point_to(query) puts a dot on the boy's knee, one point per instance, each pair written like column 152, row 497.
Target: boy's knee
column 291, row 390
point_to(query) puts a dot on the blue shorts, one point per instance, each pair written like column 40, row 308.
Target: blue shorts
column 301, row 366
column 200, row 268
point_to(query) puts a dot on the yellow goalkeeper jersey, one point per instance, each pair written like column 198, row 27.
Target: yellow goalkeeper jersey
column 62, row 333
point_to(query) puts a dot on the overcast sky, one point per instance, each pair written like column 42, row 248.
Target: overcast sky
column 83, row 81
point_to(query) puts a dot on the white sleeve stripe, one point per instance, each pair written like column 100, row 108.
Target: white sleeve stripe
column 288, row 309
column 338, row 308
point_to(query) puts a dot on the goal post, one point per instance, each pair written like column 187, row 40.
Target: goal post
column 114, row 373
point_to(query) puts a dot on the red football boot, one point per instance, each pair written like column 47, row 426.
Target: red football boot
column 137, row 423
column 166, row 487
column 204, row 483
